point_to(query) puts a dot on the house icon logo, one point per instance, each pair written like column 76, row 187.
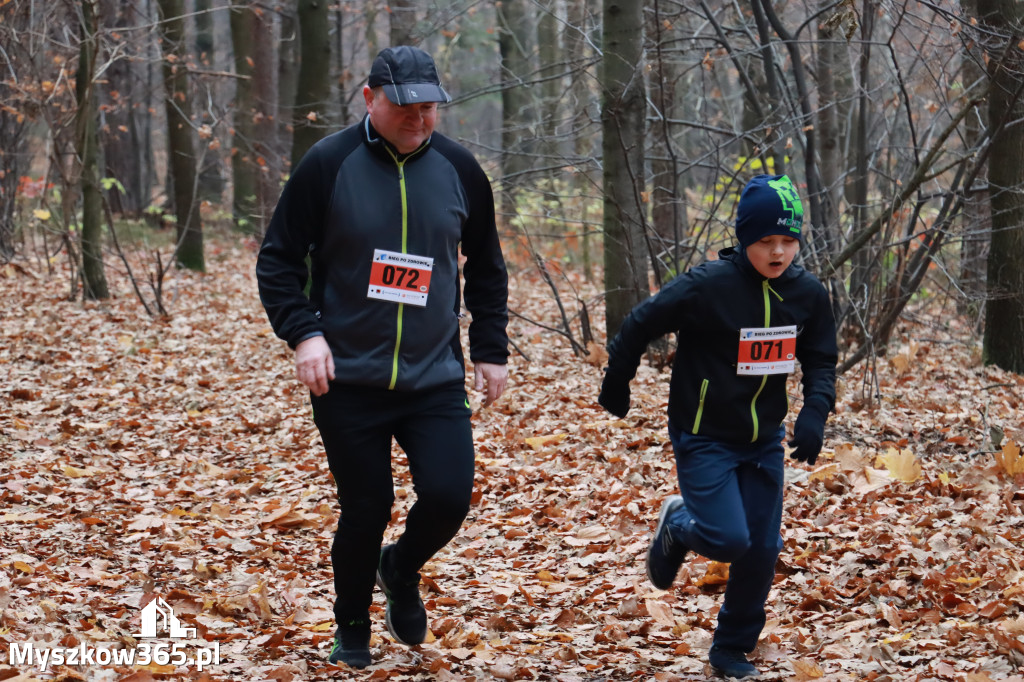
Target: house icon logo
column 159, row 612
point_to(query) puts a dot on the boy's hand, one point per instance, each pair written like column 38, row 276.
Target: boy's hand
column 614, row 394
column 809, row 433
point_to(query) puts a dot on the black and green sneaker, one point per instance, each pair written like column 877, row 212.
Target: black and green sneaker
column 351, row 644
column 406, row 616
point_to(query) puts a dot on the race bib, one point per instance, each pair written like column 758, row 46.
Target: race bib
column 400, row 277
column 767, row 350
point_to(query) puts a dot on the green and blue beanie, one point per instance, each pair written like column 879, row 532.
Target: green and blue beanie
column 769, row 205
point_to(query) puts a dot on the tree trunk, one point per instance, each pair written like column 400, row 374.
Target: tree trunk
column 1004, row 314
column 403, row 22
column 830, row 55
column 551, row 61
column 517, row 137
column 244, row 167
column 180, row 139
column 343, row 76
column 211, row 166
column 977, row 215
column 94, row 280
column 622, row 120
column 668, row 208
column 266, row 144
column 121, row 87
column 289, row 44
column 14, row 129
column 370, row 10
column 578, row 114
column 857, row 197
column 314, row 88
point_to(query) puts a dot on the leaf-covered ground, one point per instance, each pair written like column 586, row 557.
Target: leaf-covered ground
column 176, row 458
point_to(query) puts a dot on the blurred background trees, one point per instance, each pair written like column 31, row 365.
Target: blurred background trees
column 617, row 133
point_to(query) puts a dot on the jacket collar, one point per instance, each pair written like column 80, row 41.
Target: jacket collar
column 374, row 139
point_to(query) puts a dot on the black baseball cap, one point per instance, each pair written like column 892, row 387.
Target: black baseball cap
column 408, row 75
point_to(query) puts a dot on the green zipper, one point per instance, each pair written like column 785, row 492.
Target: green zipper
column 700, row 406
column 766, row 287
column 405, row 244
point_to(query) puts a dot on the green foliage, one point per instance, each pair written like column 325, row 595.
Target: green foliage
column 112, row 183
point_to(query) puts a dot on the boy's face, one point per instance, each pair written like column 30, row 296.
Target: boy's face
column 771, row 255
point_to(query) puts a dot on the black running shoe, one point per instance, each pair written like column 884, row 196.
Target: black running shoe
column 352, row 644
column 665, row 554
column 730, row 662
column 406, row 616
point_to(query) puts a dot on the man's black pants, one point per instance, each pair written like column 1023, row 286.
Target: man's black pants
column 357, row 425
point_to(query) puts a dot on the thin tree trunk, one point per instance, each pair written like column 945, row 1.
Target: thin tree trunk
column 244, row 167
column 211, row 173
column 180, row 139
column 94, row 280
column 550, row 59
column 668, row 209
column 370, row 11
column 622, row 119
column 403, row 22
column 517, row 136
column 342, row 74
column 123, row 156
column 579, row 105
column 860, row 278
column 314, row 88
column 977, row 216
column 830, row 53
column 289, row 46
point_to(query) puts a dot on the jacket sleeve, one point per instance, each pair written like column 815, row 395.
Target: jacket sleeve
column 817, row 352
column 486, row 280
column 649, row 320
column 281, row 269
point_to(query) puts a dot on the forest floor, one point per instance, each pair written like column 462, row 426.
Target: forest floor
column 176, row 458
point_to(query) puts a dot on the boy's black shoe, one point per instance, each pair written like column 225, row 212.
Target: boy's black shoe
column 406, row 617
column 665, row 555
column 730, row 662
column 352, row 644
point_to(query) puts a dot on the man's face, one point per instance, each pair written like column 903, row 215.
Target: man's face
column 406, row 127
column 771, row 255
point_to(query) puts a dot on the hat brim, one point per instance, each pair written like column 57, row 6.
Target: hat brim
column 414, row 93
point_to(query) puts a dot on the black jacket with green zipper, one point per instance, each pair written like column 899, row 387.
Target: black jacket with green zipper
column 707, row 307
column 353, row 193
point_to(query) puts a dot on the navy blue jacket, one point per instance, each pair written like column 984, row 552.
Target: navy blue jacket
column 706, row 307
column 353, row 193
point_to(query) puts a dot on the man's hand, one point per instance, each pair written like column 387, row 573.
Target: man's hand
column 314, row 364
column 495, row 377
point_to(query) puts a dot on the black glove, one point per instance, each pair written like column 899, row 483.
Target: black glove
column 614, row 393
column 809, row 432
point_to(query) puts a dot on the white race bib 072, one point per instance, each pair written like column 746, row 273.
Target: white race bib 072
column 400, row 277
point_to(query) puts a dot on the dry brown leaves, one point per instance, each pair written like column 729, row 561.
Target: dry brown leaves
column 177, row 458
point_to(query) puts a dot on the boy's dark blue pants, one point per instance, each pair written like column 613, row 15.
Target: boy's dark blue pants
column 357, row 425
column 733, row 513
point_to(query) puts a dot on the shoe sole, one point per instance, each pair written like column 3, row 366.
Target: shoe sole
column 667, row 506
column 739, row 676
